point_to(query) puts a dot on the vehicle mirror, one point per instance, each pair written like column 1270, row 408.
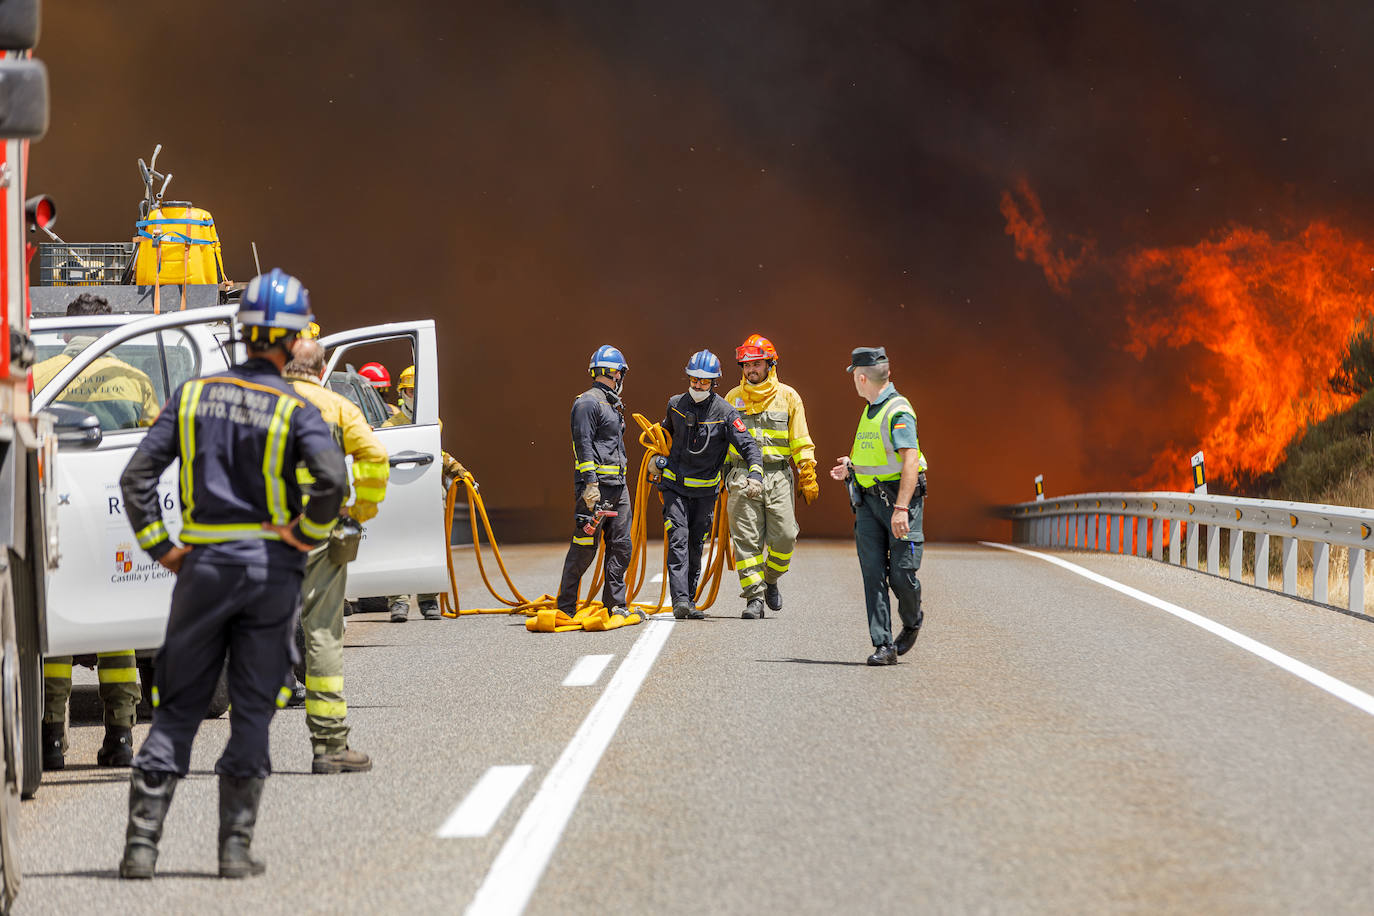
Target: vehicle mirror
column 23, row 99
column 75, row 428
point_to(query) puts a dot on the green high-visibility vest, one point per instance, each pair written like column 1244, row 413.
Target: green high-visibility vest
column 873, row 458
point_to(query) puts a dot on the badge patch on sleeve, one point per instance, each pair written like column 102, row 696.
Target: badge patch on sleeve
column 739, row 424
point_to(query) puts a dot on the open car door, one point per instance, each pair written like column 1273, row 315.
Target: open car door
column 107, row 593
column 404, row 550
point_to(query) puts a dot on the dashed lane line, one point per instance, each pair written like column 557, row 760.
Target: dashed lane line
column 1320, row 679
column 587, row 671
column 521, row 862
column 478, row 813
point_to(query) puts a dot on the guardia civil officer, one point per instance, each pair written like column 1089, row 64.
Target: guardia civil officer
column 886, row 475
column 703, row 426
column 239, row 435
column 599, row 473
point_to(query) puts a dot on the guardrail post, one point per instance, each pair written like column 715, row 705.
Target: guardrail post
column 1096, row 525
column 1192, row 544
column 1262, row 559
column 1355, row 575
column 1113, row 532
column 1081, row 531
column 1289, row 552
column 1141, row 533
column 1175, row 526
column 1214, row 549
column 1237, row 554
column 1321, row 572
column 1157, row 538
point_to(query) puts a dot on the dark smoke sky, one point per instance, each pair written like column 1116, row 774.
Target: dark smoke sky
column 542, row 178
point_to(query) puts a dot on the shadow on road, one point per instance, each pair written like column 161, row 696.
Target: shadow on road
column 112, row 874
column 809, row 661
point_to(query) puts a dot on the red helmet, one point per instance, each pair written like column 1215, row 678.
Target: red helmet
column 376, row 374
column 756, row 346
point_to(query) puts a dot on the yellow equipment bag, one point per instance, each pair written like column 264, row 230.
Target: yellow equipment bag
column 178, row 244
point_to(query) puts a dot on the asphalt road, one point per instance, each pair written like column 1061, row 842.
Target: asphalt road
column 1050, row 745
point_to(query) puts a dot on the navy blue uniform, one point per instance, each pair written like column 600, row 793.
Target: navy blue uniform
column 702, row 436
column 239, row 436
column 598, row 435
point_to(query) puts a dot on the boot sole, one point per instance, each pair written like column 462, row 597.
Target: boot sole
column 334, row 769
column 135, row 874
column 246, row 871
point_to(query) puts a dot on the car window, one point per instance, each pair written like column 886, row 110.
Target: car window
column 356, row 389
column 126, row 387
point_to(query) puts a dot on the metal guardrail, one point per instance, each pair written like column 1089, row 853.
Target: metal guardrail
column 1133, row 523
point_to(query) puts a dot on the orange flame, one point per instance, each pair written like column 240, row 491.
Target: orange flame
column 1032, row 235
column 1276, row 313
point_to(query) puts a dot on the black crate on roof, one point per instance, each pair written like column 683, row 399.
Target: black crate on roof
column 83, row 264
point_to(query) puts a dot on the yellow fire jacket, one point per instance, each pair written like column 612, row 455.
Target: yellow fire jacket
column 778, row 422
column 121, row 396
column 370, row 467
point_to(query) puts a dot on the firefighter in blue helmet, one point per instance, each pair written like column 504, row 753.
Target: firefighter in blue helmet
column 240, row 436
column 703, row 426
column 599, row 473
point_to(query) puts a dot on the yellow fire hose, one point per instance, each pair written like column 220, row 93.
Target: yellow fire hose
column 591, row 614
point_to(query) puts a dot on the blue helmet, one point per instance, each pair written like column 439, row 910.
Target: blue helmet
column 275, row 306
column 608, row 359
column 703, row 364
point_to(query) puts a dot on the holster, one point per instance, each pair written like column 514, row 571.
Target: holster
column 344, row 541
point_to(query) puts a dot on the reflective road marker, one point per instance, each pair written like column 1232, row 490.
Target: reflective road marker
column 478, row 813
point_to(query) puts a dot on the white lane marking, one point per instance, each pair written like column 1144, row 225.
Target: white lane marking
column 587, row 670
column 521, row 862
column 1320, row 679
column 478, row 813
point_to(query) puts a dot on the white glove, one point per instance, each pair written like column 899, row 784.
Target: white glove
column 591, row 495
column 753, row 488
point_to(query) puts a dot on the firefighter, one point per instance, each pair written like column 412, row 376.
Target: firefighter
column 703, row 426
column 399, row 605
column 239, row 436
column 380, row 380
column 121, row 397
column 322, row 595
column 599, row 474
column 764, row 532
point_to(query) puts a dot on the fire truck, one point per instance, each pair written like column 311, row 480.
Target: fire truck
column 27, row 442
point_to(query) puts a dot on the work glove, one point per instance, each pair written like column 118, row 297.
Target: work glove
column 807, row 487
column 363, row 510
column 753, row 488
column 591, row 495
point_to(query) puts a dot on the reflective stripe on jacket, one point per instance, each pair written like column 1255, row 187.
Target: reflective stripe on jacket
column 780, row 428
column 598, row 436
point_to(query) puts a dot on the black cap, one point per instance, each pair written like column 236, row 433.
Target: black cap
column 866, row 356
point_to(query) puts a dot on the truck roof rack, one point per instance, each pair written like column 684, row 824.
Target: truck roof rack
column 51, row 301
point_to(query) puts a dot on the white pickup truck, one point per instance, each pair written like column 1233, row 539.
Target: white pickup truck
column 106, row 593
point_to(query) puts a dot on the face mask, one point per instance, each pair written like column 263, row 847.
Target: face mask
column 698, row 396
column 408, row 402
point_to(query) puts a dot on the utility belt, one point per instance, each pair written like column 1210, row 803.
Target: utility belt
column 884, row 490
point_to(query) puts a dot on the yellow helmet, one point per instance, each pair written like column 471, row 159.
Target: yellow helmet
column 311, row 332
column 407, row 379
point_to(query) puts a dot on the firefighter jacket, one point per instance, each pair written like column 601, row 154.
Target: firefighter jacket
column 120, row 396
column 598, row 436
column 239, row 436
column 702, row 434
column 371, row 469
column 774, row 415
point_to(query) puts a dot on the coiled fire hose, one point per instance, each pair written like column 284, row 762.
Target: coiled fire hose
column 591, row 614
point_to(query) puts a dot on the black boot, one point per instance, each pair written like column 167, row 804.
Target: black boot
column 150, row 795
column 238, row 813
column 118, row 748
column 772, row 596
column 52, row 746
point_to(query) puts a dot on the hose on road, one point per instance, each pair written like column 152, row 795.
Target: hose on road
column 591, row 614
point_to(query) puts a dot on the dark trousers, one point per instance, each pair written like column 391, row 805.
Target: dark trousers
column 248, row 612
column 687, row 525
column 887, row 562
column 582, row 551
